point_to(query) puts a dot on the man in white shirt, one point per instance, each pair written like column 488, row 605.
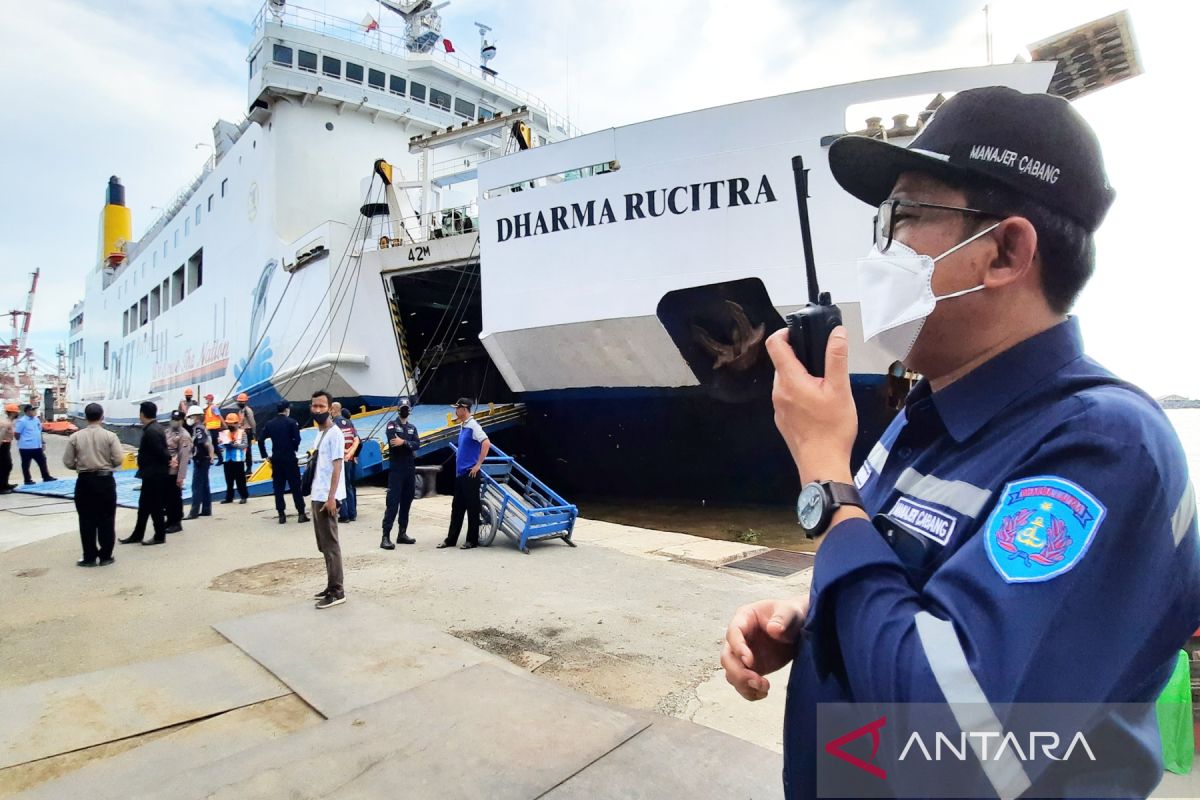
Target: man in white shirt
column 327, row 489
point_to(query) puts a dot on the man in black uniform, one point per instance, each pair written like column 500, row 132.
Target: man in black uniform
column 403, row 440
column 284, row 434
column 154, row 465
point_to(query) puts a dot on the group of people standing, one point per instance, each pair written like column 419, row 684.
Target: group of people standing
column 165, row 457
column 26, row 429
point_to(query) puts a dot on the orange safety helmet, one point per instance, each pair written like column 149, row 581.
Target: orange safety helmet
column 232, row 419
column 243, row 398
column 187, row 392
column 209, row 397
column 13, row 407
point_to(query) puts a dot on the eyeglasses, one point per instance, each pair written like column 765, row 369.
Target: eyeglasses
column 889, row 214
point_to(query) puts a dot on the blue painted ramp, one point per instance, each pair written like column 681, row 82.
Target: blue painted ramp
column 434, row 424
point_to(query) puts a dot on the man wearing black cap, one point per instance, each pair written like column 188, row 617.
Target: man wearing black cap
column 403, row 440
column 473, row 446
column 1024, row 532
column 283, row 433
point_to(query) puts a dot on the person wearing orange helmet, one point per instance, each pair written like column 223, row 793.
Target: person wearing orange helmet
column 187, row 400
column 248, row 426
column 11, row 411
column 234, row 444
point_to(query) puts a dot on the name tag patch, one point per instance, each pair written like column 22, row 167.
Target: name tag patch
column 925, row 520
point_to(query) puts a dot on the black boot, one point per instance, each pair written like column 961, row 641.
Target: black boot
column 303, row 518
column 386, row 543
column 282, row 518
column 405, row 539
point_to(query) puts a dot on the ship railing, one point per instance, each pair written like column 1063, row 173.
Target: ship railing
column 441, row 224
column 178, row 202
column 308, row 19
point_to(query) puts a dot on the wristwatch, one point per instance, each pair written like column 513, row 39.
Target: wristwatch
column 819, row 500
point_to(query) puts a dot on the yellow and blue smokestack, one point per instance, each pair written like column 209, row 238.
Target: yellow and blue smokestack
column 116, row 225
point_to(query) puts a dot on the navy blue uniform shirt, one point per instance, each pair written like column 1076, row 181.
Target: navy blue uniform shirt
column 284, row 435
column 397, row 429
column 1048, row 553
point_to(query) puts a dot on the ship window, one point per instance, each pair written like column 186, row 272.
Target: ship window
column 144, row 311
column 375, row 79
column 224, row 183
column 195, row 271
column 396, row 84
column 176, row 240
column 253, row 64
column 166, row 294
column 164, row 248
column 331, row 67
column 464, row 108
column 124, row 325
column 155, row 302
column 153, row 262
column 210, row 199
column 417, row 91
column 439, row 99
column 197, row 215
column 354, row 72
column 282, row 55
column 187, row 226
column 307, row 61
column 106, row 355
column 177, row 286
column 133, row 318
column 485, row 113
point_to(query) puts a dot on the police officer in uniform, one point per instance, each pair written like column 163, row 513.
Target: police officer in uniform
column 1024, row 531
column 284, row 434
column 154, row 469
column 403, row 440
column 94, row 453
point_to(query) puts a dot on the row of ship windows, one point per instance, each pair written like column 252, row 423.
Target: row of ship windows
column 174, row 240
column 185, row 280
column 306, row 61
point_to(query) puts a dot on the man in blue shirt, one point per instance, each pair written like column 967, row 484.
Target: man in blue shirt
column 283, row 433
column 28, row 430
column 473, row 446
column 1026, row 530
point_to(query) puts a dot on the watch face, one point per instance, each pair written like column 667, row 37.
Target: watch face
column 810, row 506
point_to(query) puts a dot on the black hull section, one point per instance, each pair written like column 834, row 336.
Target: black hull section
column 680, row 444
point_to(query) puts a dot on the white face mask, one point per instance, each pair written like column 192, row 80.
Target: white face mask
column 895, row 291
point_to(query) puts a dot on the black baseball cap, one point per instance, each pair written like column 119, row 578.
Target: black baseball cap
column 463, row 402
column 1035, row 144
column 177, row 415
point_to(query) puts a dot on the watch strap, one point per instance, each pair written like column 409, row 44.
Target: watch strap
column 843, row 494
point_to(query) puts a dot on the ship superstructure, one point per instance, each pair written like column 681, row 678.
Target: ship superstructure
column 251, row 280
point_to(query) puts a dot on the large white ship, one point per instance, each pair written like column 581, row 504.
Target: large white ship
column 252, row 279
column 392, row 222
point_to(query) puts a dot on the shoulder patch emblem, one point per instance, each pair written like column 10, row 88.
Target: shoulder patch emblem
column 1041, row 528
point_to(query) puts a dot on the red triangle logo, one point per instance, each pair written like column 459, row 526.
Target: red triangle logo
column 834, row 747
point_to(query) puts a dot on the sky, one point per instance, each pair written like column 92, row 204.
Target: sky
column 131, row 87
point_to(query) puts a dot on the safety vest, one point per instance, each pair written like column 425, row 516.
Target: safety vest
column 212, row 419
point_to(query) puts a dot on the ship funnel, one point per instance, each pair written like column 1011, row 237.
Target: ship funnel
column 116, row 225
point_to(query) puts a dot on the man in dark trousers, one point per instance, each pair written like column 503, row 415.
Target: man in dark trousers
column 28, row 430
column 403, row 440
column 94, row 453
column 6, row 439
column 473, row 446
column 154, row 464
column 284, row 434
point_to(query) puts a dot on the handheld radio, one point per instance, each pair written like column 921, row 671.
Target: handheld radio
column 809, row 328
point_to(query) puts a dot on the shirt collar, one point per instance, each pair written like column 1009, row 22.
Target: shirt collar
column 975, row 399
